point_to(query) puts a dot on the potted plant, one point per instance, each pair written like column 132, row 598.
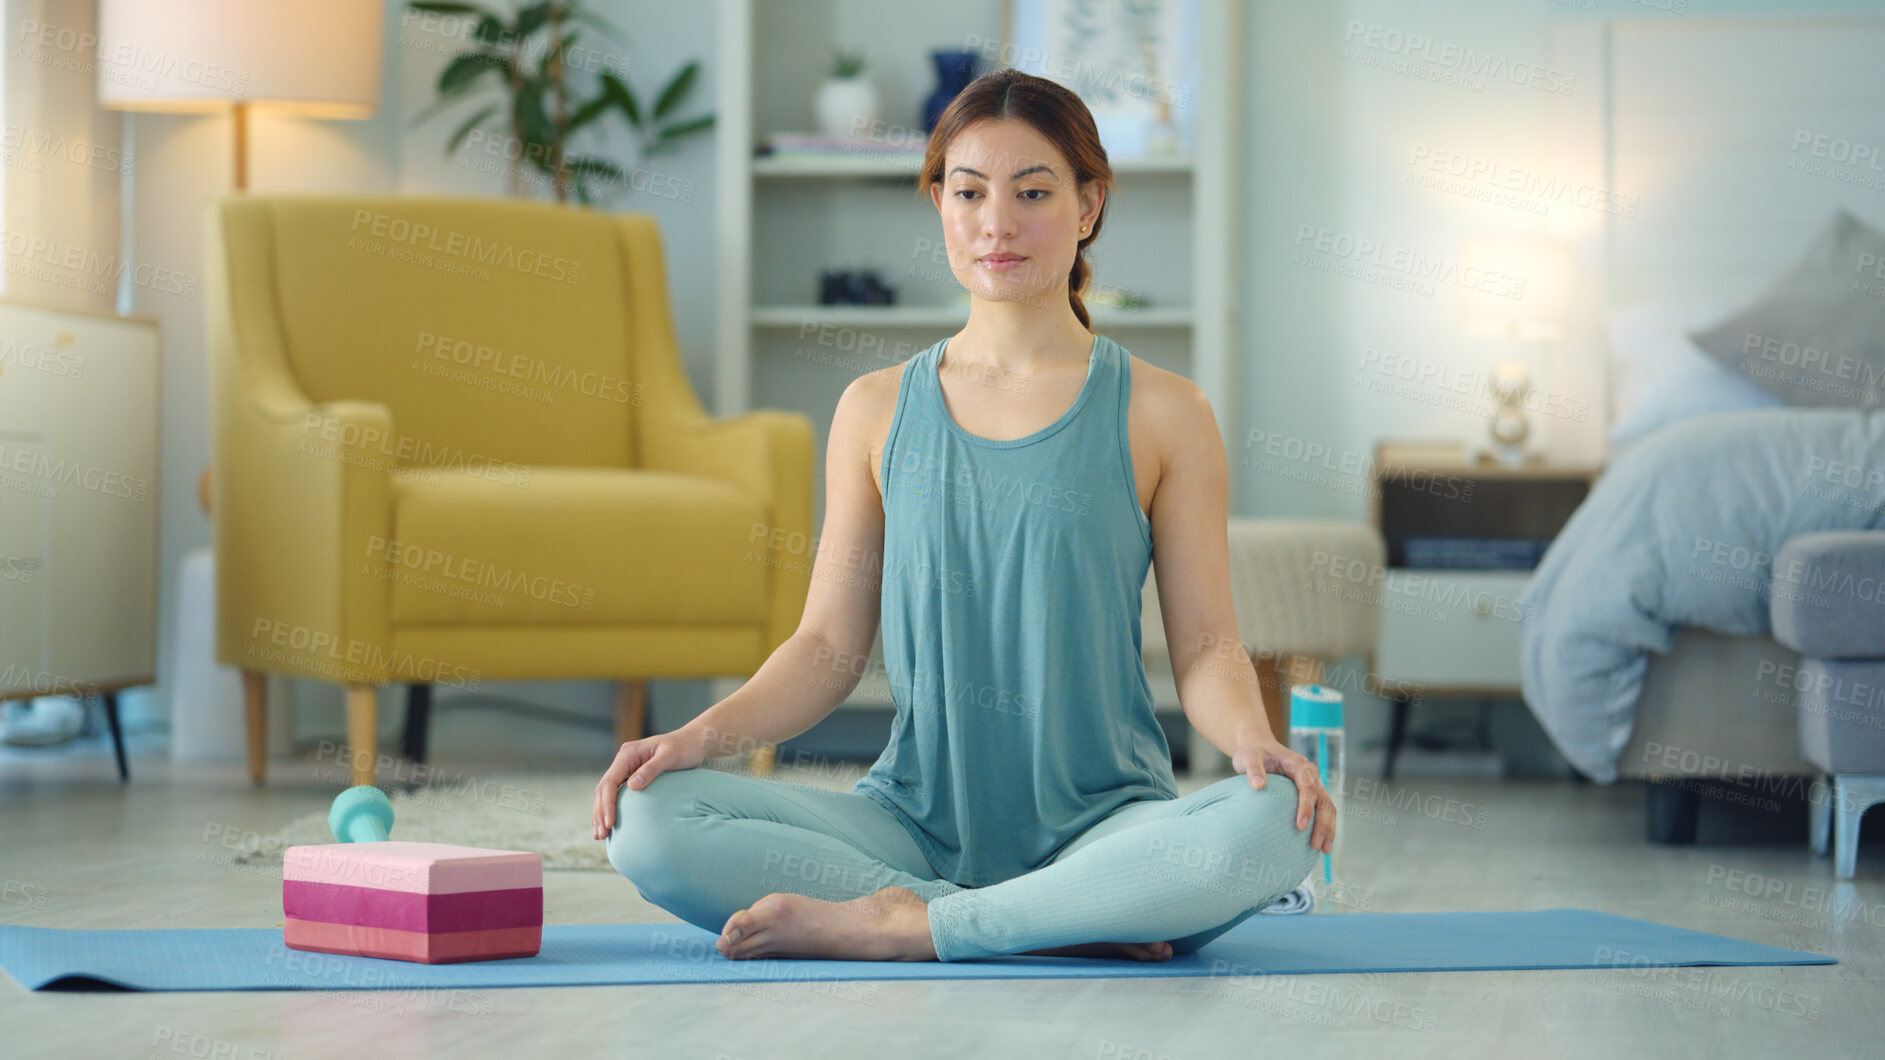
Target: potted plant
column 544, row 100
column 846, row 102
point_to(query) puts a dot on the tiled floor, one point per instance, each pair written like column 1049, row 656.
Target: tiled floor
column 81, row 851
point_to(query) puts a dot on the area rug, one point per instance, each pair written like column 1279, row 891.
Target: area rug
column 545, row 812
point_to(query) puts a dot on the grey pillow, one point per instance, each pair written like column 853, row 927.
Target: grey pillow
column 1816, row 336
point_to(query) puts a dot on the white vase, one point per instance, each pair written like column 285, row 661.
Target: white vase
column 847, row 107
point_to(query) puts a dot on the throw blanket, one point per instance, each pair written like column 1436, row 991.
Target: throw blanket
column 1682, row 529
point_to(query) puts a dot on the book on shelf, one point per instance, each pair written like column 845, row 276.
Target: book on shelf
column 1473, row 553
column 817, row 145
column 1423, row 451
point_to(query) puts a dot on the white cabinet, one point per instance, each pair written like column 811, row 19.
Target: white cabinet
column 1451, row 630
column 78, row 501
column 1446, row 627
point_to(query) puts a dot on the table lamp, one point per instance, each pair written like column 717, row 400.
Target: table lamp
column 1513, row 288
column 313, row 58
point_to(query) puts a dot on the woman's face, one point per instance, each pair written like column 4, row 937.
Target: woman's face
column 1011, row 213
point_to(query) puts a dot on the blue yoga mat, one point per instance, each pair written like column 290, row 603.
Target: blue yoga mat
column 606, row 954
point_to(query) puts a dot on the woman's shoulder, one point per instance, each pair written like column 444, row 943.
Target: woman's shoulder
column 1168, row 410
column 877, row 390
column 868, row 406
column 1169, row 398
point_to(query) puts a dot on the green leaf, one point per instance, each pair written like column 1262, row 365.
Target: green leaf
column 596, row 167
column 677, row 88
column 677, row 131
column 491, row 31
column 587, row 113
column 531, row 18
column 432, row 108
column 466, row 68
column 531, row 116
column 446, row 99
column 465, row 129
column 623, row 97
column 693, row 126
column 448, row 9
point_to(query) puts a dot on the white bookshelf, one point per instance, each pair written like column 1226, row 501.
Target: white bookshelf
column 1171, row 226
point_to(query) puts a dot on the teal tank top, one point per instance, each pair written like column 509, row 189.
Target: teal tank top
column 1012, row 580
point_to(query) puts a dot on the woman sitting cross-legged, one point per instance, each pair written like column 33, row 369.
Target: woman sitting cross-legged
column 994, row 500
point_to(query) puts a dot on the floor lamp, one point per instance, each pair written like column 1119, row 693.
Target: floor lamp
column 306, row 58
column 302, row 58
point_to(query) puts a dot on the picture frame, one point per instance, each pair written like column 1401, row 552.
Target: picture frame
column 1133, row 62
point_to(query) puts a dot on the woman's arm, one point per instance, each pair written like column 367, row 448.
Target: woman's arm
column 810, row 674
column 1217, row 683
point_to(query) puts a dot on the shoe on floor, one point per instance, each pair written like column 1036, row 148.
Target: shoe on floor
column 41, row 722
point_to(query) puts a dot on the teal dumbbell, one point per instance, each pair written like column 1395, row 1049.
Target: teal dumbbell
column 361, row 814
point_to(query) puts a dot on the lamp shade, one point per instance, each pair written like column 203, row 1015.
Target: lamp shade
column 1515, row 287
column 320, row 58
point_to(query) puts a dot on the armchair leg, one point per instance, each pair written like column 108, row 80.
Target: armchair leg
column 631, row 711
column 255, row 708
column 418, row 721
column 763, row 760
column 1820, row 813
column 1397, row 735
column 363, row 731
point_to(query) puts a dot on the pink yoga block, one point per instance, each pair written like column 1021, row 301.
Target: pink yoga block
column 425, row 902
column 410, row 910
column 449, row 947
column 428, row 868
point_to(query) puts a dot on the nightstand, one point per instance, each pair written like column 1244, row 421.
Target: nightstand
column 1463, row 535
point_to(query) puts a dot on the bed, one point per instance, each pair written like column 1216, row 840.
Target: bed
column 1654, row 658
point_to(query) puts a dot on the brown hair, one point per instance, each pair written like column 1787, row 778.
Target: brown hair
column 1053, row 111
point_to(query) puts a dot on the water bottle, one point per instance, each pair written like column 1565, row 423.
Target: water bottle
column 1315, row 732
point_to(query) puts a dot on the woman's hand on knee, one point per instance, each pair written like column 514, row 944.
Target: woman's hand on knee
column 1314, row 805
column 636, row 764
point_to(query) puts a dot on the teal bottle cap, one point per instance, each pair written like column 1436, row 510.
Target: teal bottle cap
column 1315, row 707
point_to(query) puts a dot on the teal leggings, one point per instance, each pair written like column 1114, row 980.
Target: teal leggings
column 705, row 843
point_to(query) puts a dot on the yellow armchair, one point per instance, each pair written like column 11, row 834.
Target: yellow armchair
column 453, row 441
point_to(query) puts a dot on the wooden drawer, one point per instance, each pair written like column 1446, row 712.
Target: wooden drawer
column 1444, row 629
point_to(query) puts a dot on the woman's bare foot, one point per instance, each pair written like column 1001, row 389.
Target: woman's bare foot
column 889, row 925
column 1138, row 951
